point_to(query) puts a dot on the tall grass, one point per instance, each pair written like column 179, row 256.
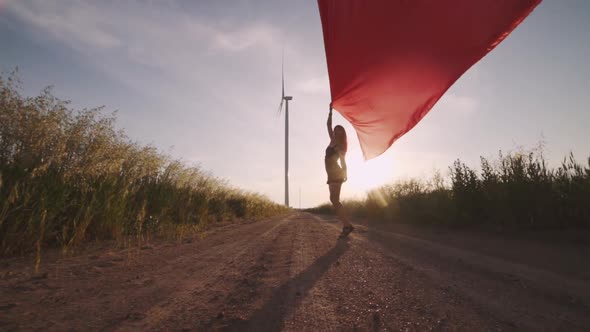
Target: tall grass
column 517, row 190
column 69, row 176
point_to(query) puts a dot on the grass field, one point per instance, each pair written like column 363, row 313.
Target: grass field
column 68, row 176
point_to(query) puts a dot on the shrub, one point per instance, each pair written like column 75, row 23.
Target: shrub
column 517, row 190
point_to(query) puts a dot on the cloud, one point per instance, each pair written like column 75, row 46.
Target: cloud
column 80, row 25
column 137, row 43
column 141, row 29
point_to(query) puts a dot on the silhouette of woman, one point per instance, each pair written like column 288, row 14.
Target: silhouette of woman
column 336, row 151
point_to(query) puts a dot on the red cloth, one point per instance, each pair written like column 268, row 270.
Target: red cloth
column 390, row 61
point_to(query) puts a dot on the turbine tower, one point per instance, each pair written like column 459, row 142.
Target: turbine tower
column 286, row 100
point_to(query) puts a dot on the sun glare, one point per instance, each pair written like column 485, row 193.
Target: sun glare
column 364, row 175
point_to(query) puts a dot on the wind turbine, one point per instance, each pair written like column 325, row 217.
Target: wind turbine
column 286, row 100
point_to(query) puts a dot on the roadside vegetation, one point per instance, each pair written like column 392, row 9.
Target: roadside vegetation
column 68, row 176
column 515, row 191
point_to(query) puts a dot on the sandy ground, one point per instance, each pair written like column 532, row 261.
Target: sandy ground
column 291, row 273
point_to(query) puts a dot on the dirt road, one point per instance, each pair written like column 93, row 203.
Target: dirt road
column 291, row 273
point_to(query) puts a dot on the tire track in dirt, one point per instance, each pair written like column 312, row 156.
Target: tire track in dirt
column 526, row 301
column 523, row 300
column 377, row 292
column 294, row 302
column 310, row 305
column 198, row 297
column 546, row 280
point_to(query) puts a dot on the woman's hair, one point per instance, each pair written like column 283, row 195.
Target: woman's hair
column 340, row 137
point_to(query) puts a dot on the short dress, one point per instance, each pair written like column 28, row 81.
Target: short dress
column 335, row 173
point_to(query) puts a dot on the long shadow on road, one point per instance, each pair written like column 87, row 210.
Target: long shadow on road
column 271, row 316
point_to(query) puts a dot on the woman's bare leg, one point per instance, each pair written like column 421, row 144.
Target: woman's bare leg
column 335, row 199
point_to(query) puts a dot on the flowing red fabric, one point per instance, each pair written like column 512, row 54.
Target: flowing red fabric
column 390, row 61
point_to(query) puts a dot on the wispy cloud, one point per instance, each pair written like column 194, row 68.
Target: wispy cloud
column 79, row 25
column 162, row 36
column 136, row 43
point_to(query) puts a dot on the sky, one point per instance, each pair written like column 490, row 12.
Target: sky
column 200, row 80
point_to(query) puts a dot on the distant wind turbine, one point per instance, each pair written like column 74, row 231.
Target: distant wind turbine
column 286, row 100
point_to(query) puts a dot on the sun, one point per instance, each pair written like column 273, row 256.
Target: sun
column 365, row 175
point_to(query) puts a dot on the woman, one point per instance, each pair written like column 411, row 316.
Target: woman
column 336, row 151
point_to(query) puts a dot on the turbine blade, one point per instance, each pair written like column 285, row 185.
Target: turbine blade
column 280, row 107
column 283, row 76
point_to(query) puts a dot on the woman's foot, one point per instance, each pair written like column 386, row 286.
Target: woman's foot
column 345, row 231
